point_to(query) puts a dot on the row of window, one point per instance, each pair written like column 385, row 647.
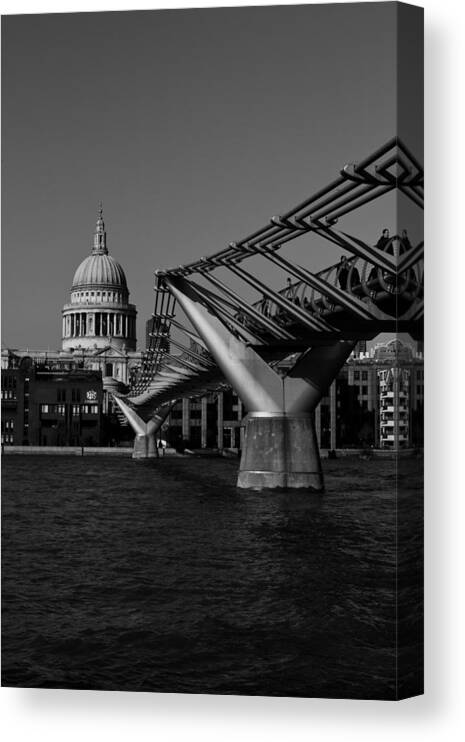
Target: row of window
column 364, row 375
column 8, row 382
column 61, row 394
column 76, row 409
column 8, row 393
column 7, row 438
column 103, row 295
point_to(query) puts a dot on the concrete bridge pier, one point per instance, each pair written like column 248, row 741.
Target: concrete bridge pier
column 280, row 451
column 145, row 446
column 280, row 446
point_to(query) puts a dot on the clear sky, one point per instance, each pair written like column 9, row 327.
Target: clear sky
column 193, row 127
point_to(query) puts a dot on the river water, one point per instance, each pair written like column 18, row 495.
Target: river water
column 162, row 576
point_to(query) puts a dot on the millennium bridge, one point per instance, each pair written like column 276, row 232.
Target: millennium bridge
column 219, row 321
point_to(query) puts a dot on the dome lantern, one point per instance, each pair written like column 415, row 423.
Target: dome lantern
column 100, row 236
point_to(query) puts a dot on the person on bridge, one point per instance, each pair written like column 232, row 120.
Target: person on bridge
column 383, row 240
column 265, row 306
column 343, row 272
column 354, row 277
column 290, row 290
column 405, row 240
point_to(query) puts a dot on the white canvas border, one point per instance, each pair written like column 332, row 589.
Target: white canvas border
column 75, row 715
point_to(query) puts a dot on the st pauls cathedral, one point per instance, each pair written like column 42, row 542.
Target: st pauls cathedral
column 98, row 345
column 99, row 323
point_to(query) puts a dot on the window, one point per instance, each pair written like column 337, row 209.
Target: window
column 75, row 395
column 44, row 408
column 61, row 395
column 60, row 409
column 357, row 375
column 364, row 390
column 75, row 410
column 94, row 409
column 364, row 375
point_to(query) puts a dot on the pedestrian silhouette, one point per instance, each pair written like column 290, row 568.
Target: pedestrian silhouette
column 383, row 240
column 343, row 272
column 405, row 240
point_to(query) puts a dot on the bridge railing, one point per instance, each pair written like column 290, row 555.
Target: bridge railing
column 359, row 278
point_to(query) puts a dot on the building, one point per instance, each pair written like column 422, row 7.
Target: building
column 51, row 406
column 98, row 342
column 375, row 401
column 394, row 418
column 211, row 421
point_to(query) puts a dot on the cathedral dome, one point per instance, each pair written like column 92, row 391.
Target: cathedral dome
column 99, row 314
column 99, row 270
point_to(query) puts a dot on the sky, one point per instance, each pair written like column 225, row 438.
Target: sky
column 193, row 127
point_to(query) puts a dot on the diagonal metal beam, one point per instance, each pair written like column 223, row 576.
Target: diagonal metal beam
column 203, row 359
column 305, row 318
column 215, row 305
column 371, row 254
column 338, row 296
column 408, row 259
column 270, row 325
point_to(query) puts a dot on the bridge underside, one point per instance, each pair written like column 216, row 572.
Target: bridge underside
column 281, row 351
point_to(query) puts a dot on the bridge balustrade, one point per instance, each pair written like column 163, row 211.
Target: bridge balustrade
column 362, row 279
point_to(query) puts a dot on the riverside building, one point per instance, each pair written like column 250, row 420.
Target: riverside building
column 376, row 401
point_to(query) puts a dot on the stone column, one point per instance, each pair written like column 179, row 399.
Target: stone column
column 318, row 424
column 219, row 421
column 203, row 422
column 240, row 442
column 332, row 413
column 186, row 433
